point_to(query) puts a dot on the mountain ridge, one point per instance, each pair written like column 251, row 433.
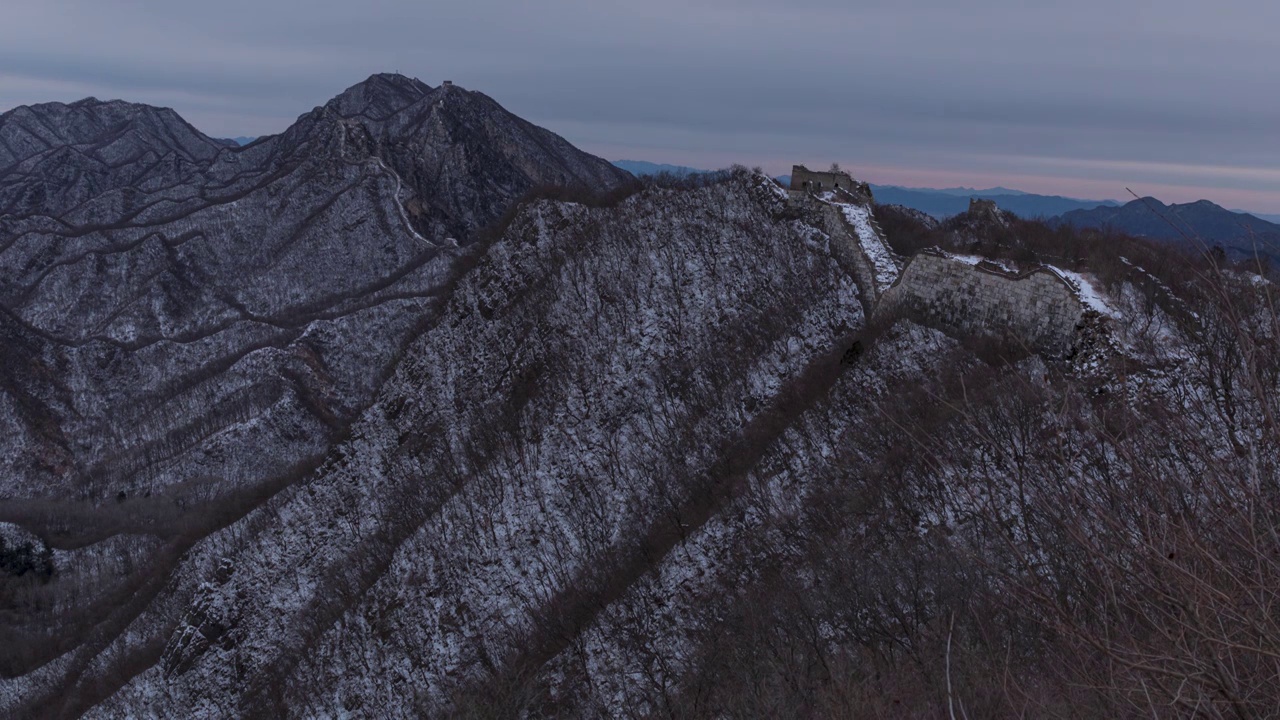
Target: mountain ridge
column 89, row 120
column 940, row 203
column 1236, row 231
column 642, row 167
column 416, row 410
column 1195, row 223
column 944, row 204
column 56, row 156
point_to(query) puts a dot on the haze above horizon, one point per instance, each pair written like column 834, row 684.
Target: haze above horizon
column 1081, row 100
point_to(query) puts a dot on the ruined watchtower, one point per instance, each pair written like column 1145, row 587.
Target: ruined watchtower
column 805, row 180
column 982, row 209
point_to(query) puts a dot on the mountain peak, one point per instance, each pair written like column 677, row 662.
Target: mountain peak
column 1239, row 234
column 460, row 156
column 379, row 96
column 398, row 82
column 1144, row 202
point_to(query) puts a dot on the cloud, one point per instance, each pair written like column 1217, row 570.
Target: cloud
column 1096, row 93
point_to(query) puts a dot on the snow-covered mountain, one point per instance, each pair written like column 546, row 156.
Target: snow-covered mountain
column 188, row 322
column 55, row 157
column 416, row 410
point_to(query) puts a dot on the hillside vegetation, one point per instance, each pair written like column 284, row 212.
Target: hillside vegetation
column 624, row 449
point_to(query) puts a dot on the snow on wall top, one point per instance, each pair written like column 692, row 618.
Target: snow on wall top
column 874, row 246
column 1086, row 291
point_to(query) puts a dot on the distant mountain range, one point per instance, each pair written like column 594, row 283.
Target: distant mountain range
column 945, row 203
column 940, row 203
column 964, row 191
column 1240, row 234
column 1237, row 232
column 1260, row 216
column 640, row 167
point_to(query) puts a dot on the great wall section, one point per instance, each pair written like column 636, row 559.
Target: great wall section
column 1037, row 307
column 1041, row 307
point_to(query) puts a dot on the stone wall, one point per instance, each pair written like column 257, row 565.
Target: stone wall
column 1038, row 307
column 845, row 246
column 802, row 178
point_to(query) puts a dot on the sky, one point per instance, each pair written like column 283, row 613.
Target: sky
column 1175, row 98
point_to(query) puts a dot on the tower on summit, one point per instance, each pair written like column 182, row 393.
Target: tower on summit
column 806, row 180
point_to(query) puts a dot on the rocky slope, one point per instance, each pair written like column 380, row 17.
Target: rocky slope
column 633, row 454
column 54, row 157
column 461, row 158
column 190, row 326
column 297, row 266
column 613, row 356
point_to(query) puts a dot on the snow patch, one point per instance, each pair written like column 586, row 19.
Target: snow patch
column 859, row 218
column 1087, row 291
column 771, row 184
column 975, row 260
